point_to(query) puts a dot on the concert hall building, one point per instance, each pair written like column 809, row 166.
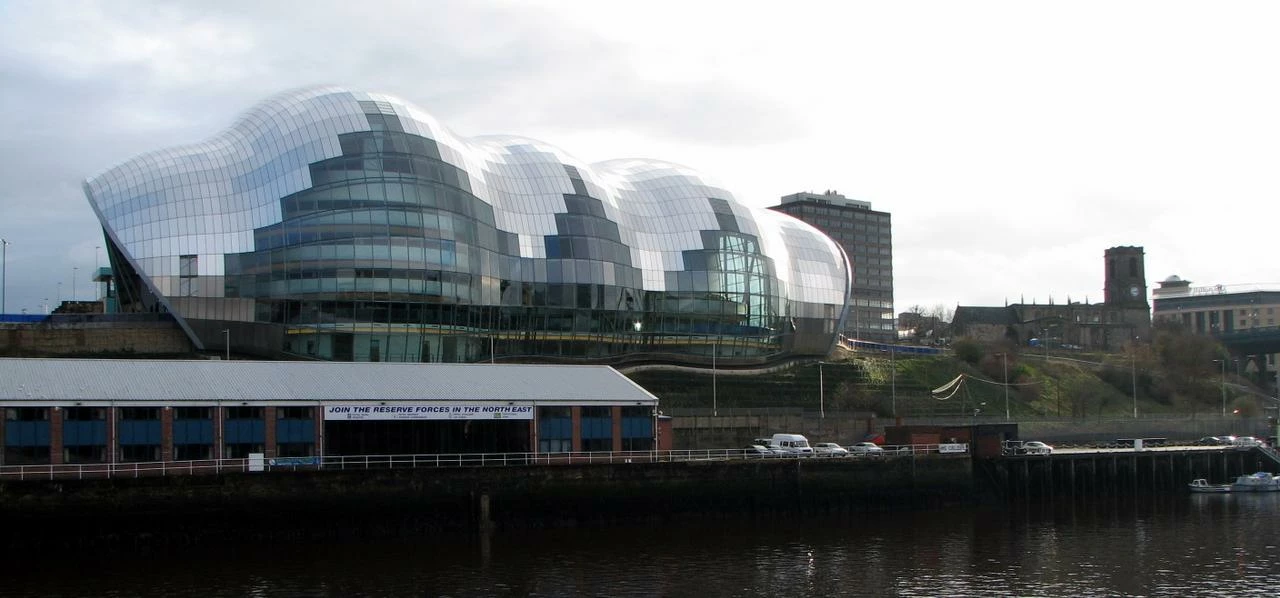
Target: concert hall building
column 340, row 225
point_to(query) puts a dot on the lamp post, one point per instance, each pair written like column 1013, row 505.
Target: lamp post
column 4, row 259
column 1133, row 374
column 226, row 334
column 1133, row 371
column 75, row 273
column 715, row 348
column 1224, row 385
column 893, row 383
column 1004, row 360
column 822, row 409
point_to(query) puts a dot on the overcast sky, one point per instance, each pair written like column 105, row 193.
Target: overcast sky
column 1012, row 142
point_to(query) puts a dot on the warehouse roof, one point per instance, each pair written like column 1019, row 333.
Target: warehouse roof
column 137, row 380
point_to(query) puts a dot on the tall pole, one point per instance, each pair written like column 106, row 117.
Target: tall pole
column 893, row 382
column 715, row 348
column 1133, row 370
column 4, row 259
column 490, row 346
column 75, row 273
column 226, row 334
column 822, row 409
column 1004, row 358
column 1224, row 387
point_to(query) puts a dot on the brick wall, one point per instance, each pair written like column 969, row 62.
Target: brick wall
column 82, row 339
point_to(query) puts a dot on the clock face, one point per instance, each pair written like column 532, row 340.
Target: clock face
column 1133, row 291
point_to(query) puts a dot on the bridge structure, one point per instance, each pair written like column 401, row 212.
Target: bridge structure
column 1252, row 345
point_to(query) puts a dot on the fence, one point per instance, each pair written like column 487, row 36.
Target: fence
column 82, row 471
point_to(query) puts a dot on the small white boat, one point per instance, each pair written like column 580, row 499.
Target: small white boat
column 1257, row 482
column 1204, row 487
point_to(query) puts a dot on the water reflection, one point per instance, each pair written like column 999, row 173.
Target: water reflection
column 1176, row 546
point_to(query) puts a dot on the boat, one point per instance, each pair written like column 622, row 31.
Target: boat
column 1257, row 482
column 1203, row 486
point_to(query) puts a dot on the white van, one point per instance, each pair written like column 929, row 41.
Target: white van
column 793, row 444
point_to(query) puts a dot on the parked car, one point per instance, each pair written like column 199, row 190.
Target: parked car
column 768, row 445
column 1217, row 441
column 1035, row 447
column 866, row 449
column 756, row 451
column 829, row 449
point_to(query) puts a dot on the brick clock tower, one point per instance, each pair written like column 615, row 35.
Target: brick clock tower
column 1126, row 280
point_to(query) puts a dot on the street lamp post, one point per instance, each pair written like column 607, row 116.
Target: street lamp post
column 1004, row 359
column 226, row 334
column 4, row 259
column 1224, row 386
column 75, row 273
column 893, row 382
column 715, row 348
column 1133, row 373
column 822, row 409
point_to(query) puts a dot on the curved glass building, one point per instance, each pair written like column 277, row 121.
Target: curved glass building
column 335, row 224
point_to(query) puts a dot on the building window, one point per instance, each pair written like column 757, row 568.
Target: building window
column 193, row 413
column 26, row 414
column 597, row 429
column 244, row 412
column 85, row 453
column 637, row 428
column 555, row 430
column 84, row 414
column 294, row 412
column 140, row 453
column 140, row 413
column 294, row 449
column 188, row 269
column 192, row 452
column 241, row 450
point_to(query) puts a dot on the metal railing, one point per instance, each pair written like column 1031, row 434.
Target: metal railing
column 83, row 471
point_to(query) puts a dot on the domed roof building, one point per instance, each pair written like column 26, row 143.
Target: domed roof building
column 335, row 224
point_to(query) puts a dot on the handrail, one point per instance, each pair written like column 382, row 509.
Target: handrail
column 81, row 471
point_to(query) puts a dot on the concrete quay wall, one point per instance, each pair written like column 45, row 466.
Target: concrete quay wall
column 194, row 509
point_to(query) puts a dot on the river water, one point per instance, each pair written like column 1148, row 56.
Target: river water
column 1185, row 545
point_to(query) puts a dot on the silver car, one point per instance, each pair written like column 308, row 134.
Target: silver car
column 1035, row 447
column 866, row 449
column 829, row 449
